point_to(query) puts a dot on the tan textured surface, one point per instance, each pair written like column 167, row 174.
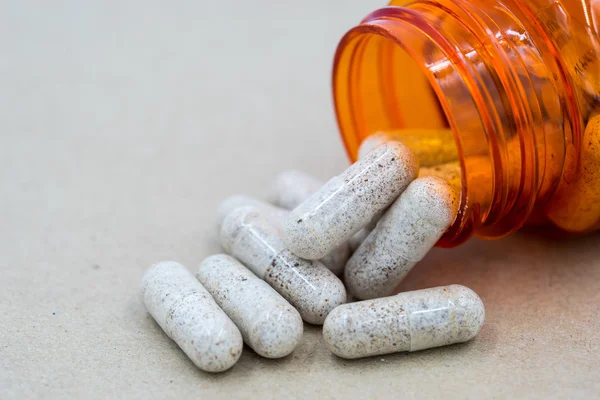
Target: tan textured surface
column 121, row 127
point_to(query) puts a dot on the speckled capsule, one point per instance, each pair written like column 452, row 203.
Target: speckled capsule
column 258, row 243
column 431, row 146
column 334, row 261
column 290, row 188
column 575, row 207
column 409, row 321
column 373, row 141
column 348, row 202
column 189, row 315
column 275, row 214
column 449, row 171
column 268, row 323
column 357, row 239
column 404, row 235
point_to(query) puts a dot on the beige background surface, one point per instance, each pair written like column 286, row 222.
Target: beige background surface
column 121, row 128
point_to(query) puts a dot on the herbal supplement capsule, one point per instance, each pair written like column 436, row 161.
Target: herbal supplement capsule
column 290, row 188
column 258, row 243
column 269, row 324
column 431, row 146
column 404, row 235
column 276, row 214
column 334, row 261
column 409, row 321
column 357, row 239
column 575, row 206
column 373, row 141
column 189, row 315
column 449, row 171
column 348, row 202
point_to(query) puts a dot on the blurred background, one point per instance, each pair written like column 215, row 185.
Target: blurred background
column 122, row 126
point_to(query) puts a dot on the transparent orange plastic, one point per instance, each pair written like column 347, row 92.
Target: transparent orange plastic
column 516, row 81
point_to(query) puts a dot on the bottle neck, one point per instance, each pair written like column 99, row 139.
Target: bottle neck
column 495, row 82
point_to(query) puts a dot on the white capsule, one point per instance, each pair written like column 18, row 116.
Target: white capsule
column 189, row 315
column 357, row 239
column 258, row 243
column 269, row 324
column 404, row 235
column 348, row 202
column 276, row 214
column 431, row 146
column 371, row 142
column 409, row 321
column 334, row 261
column 290, row 188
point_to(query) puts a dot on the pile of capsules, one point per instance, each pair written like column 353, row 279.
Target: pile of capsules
column 284, row 265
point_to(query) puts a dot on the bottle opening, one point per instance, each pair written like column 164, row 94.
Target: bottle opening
column 429, row 67
column 386, row 90
column 391, row 76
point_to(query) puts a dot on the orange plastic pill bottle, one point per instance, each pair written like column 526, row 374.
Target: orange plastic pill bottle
column 517, row 82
